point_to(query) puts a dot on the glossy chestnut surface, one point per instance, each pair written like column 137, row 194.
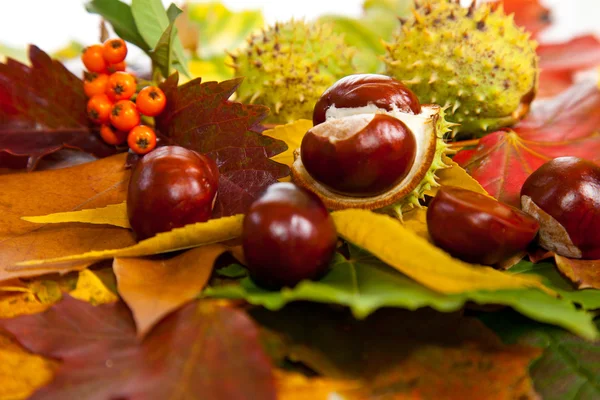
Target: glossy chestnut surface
column 363, row 89
column 169, row 188
column 477, row 228
column 288, row 236
column 360, row 155
column 568, row 190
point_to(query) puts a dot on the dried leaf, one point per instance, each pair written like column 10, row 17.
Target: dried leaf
column 564, row 126
column 199, row 116
column 292, row 135
column 43, row 109
column 21, row 372
column 91, row 289
column 415, row 257
column 365, row 284
column 202, row 351
column 90, row 185
column 396, row 354
column 114, row 214
column 583, row 274
column 153, row 288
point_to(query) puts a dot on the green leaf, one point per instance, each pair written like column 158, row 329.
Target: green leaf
column 568, row 369
column 588, row 299
column 161, row 55
column 152, row 21
column 222, row 29
column 119, row 15
column 365, row 284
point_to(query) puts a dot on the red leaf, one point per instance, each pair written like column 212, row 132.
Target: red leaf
column 42, row 110
column 564, row 126
column 580, row 53
column 529, row 14
column 199, row 116
column 553, row 83
column 202, row 351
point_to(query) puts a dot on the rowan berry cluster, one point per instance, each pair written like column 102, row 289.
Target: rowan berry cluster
column 114, row 102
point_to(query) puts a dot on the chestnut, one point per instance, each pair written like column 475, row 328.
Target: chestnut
column 564, row 196
column 288, row 236
column 359, row 155
column 170, row 187
column 368, row 92
column 477, row 228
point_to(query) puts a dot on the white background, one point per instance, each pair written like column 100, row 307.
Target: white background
column 51, row 24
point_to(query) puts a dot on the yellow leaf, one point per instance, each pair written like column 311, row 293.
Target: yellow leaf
column 115, row 214
column 46, row 291
column 90, row 288
column 455, row 176
column 24, row 303
column 292, row 135
column 415, row 257
column 153, row 288
column 21, row 373
column 194, row 235
column 415, row 220
column 294, row 386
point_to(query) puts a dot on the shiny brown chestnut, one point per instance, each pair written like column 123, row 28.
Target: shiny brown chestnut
column 477, row 228
column 288, row 236
column 564, row 196
column 362, row 90
column 359, row 155
column 169, row 188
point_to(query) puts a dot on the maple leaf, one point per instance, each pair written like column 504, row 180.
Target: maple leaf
column 567, row 125
column 201, row 351
column 199, row 116
column 530, row 14
column 42, row 110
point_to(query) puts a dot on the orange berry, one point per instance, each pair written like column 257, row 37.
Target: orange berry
column 92, row 58
column 124, row 115
column 99, row 108
column 112, row 68
column 141, row 139
column 151, row 101
column 94, row 83
column 111, row 135
column 121, row 86
column 114, row 50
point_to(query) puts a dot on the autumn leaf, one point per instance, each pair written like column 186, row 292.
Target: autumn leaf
column 152, row 288
column 199, row 116
column 114, row 214
column 21, row 372
column 564, row 126
column 90, row 185
column 292, row 135
column 365, row 284
column 43, row 109
column 455, row 175
column 203, row 350
column 579, row 53
column 415, row 257
column 91, row 289
column 530, row 14
column 584, row 274
column 397, row 355
column 568, row 368
column 295, row 386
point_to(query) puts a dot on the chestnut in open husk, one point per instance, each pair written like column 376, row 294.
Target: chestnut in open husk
column 564, row 196
column 288, row 236
column 476, row 228
column 169, row 188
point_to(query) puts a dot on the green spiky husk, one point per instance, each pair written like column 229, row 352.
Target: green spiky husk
column 288, row 66
column 474, row 61
column 430, row 180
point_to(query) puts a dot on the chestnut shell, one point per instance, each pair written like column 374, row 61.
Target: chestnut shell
column 568, row 189
column 288, row 236
column 361, row 89
column 170, row 187
column 476, row 228
column 364, row 163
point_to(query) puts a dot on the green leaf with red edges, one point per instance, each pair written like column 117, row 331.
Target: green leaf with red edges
column 42, row 110
column 199, row 116
column 567, row 125
column 530, row 14
column 202, row 351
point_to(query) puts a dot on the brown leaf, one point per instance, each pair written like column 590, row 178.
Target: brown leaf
column 399, row 354
column 295, row 386
column 153, row 288
column 583, row 273
column 90, row 185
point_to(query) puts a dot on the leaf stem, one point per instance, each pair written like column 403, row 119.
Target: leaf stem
column 463, row 143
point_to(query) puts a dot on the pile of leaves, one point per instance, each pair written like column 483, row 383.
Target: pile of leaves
column 88, row 313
